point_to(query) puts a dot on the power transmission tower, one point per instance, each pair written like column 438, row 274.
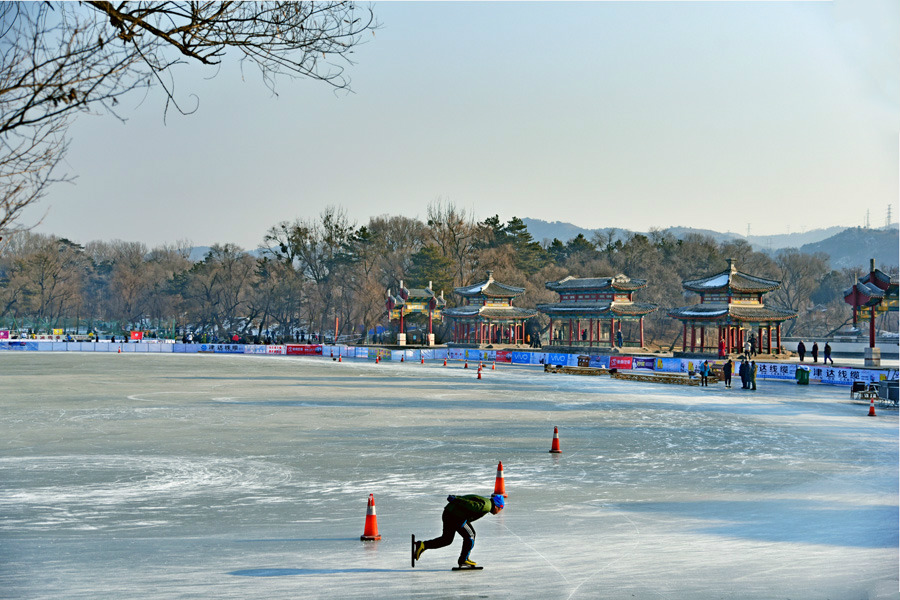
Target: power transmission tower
column 888, row 219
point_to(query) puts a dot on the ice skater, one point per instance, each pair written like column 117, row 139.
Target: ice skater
column 457, row 517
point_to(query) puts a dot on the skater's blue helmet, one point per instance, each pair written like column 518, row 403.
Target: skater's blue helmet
column 498, row 501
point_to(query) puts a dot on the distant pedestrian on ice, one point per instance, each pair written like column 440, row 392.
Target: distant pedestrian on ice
column 744, row 371
column 726, row 371
column 620, row 342
column 752, row 374
column 827, row 354
column 801, row 349
column 815, row 352
column 458, row 516
column 704, row 373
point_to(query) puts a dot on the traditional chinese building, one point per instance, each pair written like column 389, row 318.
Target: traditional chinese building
column 871, row 295
column 731, row 302
column 414, row 301
column 585, row 305
column 488, row 315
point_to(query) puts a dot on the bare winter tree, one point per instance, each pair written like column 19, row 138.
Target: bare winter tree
column 59, row 59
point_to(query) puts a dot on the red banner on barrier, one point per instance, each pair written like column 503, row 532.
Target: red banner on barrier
column 303, row 350
column 137, row 335
column 620, row 362
column 504, row 356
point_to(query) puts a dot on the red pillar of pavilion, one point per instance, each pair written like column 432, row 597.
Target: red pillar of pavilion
column 641, row 321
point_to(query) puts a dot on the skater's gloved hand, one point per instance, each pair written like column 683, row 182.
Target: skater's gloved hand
column 451, row 498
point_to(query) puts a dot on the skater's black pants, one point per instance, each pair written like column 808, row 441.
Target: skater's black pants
column 453, row 525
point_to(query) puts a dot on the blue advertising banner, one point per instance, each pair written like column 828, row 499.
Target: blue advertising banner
column 222, row 348
column 555, row 358
column 521, row 358
column 601, row 362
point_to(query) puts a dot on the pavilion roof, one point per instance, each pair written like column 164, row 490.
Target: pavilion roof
column 472, row 311
column 602, row 308
column 731, row 279
column 619, row 282
column 868, row 294
column 489, row 288
column 720, row 311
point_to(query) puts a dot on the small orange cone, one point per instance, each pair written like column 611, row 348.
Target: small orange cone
column 479, row 373
column 466, row 365
column 499, row 485
column 445, row 362
column 120, row 349
column 872, row 408
column 376, row 359
column 370, row 532
column 339, row 358
column 493, row 366
column 423, row 360
column 554, row 447
column 401, row 358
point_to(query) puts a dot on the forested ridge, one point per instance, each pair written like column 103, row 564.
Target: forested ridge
column 311, row 273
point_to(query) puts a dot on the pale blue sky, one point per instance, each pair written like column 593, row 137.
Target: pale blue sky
column 783, row 116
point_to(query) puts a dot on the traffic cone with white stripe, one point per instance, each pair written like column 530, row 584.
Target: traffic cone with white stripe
column 499, row 485
column 554, row 447
column 370, row 531
column 872, row 408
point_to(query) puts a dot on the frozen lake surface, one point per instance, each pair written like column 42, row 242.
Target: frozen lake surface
column 210, row 476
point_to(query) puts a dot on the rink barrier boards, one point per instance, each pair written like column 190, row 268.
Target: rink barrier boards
column 636, row 364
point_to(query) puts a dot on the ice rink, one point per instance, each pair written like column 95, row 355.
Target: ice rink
column 165, row 476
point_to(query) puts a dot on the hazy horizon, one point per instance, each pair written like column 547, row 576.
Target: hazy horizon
column 780, row 116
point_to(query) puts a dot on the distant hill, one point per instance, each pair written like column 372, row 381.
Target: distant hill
column 846, row 247
column 856, row 246
column 544, row 230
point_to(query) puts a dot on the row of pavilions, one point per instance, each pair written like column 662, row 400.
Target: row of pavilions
column 590, row 311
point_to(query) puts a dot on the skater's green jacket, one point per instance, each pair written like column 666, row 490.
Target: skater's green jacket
column 468, row 508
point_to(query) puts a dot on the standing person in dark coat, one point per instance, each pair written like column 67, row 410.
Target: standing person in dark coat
column 726, row 371
column 743, row 372
column 751, row 372
column 801, row 350
column 827, row 354
column 815, row 352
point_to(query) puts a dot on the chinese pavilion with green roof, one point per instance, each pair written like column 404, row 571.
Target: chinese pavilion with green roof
column 414, row 301
column 586, row 303
column 732, row 302
column 488, row 315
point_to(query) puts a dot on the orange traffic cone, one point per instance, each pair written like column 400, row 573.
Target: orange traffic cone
column 370, row 532
column 554, row 447
column 401, row 358
column 120, row 349
column 423, row 360
column 479, row 373
column 493, row 366
column 445, row 362
column 872, row 408
column 376, row 359
column 499, row 485
column 339, row 358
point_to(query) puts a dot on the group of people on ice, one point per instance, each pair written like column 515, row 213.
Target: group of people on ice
column 746, row 370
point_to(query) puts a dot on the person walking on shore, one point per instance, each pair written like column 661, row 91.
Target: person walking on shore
column 458, row 515
column 801, row 349
column 815, row 352
column 827, row 356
